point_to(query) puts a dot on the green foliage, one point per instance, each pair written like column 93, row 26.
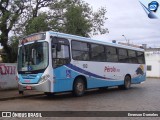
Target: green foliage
column 10, row 10
column 13, row 44
column 14, row 15
column 68, row 16
column 76, row 22
column 76, row 17
column 37, row 24
column 24, row 17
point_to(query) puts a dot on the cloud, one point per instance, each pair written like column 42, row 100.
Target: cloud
column 127, row 17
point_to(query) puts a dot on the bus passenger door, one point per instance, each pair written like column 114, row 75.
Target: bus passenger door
column 60, row 58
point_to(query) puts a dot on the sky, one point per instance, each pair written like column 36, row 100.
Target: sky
column 127, row 17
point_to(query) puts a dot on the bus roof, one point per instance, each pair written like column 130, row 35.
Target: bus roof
column 85, row 39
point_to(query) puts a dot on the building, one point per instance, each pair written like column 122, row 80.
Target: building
column 152, row 56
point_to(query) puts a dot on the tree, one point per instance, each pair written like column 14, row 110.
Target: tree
column 9, row 13
column 76, row 17
column 24, row 17
column 37, row 24
column 76, row 22
column 14, row 15
column 13, row 44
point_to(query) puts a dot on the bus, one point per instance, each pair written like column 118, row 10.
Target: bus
column 54, row 62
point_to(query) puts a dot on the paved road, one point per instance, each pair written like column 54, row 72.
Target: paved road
column 142, row 97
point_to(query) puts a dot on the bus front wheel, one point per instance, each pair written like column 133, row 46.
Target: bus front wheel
column 21, row 92
column 49, row 94
column 79, row 87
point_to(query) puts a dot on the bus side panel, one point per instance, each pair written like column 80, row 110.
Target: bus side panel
column 63, row 79
column 105, row 76
column 94, row 82
column 139, row 79
column 95, row 74
column 140, row 72
column 65, row 75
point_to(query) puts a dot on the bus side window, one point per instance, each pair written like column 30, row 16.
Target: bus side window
column 140, row 56
column 80, row 50
column 61, row 56
column 53, row 51
column 111, row 53
column 123, row 56
column 132, row 56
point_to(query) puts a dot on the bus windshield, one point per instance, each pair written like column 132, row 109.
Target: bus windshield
column 33, row 57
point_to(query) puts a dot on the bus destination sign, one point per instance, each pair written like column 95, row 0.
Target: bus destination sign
column 33, row 37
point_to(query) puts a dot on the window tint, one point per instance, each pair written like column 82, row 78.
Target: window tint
column 123, row 57
column 111, row 54
column 60, row 52
column 64, row 52
column 80, row 50
column 149, row 67
column 33, row 56
column 97, row 52
column 80, row 55
column 140, row 56
column 131, row 53
column 82, row 46
column 122, row 52
column 132, row 56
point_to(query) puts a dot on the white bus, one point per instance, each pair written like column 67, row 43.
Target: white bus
column 55, row 62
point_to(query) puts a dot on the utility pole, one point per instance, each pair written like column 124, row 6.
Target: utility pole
column 127, row 41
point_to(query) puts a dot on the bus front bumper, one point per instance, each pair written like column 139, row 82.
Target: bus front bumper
column 43, row 87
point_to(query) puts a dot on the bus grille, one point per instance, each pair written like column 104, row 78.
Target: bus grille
column 32, row 76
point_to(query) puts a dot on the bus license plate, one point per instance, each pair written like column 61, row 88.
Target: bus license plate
column 28, row 87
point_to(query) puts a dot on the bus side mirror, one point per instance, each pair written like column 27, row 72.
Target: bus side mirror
column 58, row 47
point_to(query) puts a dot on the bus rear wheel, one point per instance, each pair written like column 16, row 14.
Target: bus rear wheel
column 79, row 87
column 127, row 83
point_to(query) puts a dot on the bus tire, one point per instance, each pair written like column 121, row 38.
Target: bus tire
column 79, row 87
column 127, row 83
column 21, row 92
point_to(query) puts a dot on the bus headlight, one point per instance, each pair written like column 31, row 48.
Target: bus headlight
column 44, row 78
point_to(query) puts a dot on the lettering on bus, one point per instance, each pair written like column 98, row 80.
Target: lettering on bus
column 111, row 69
column 33, row 38
column 4, row 70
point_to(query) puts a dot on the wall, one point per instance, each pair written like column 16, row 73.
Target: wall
column 153, row 60
column 8, row 76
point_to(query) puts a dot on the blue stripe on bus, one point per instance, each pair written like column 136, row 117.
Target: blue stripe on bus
column 71, row 66
column 64, row 80
column 139, row 79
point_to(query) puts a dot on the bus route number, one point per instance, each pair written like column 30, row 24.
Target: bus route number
column 85, row 66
